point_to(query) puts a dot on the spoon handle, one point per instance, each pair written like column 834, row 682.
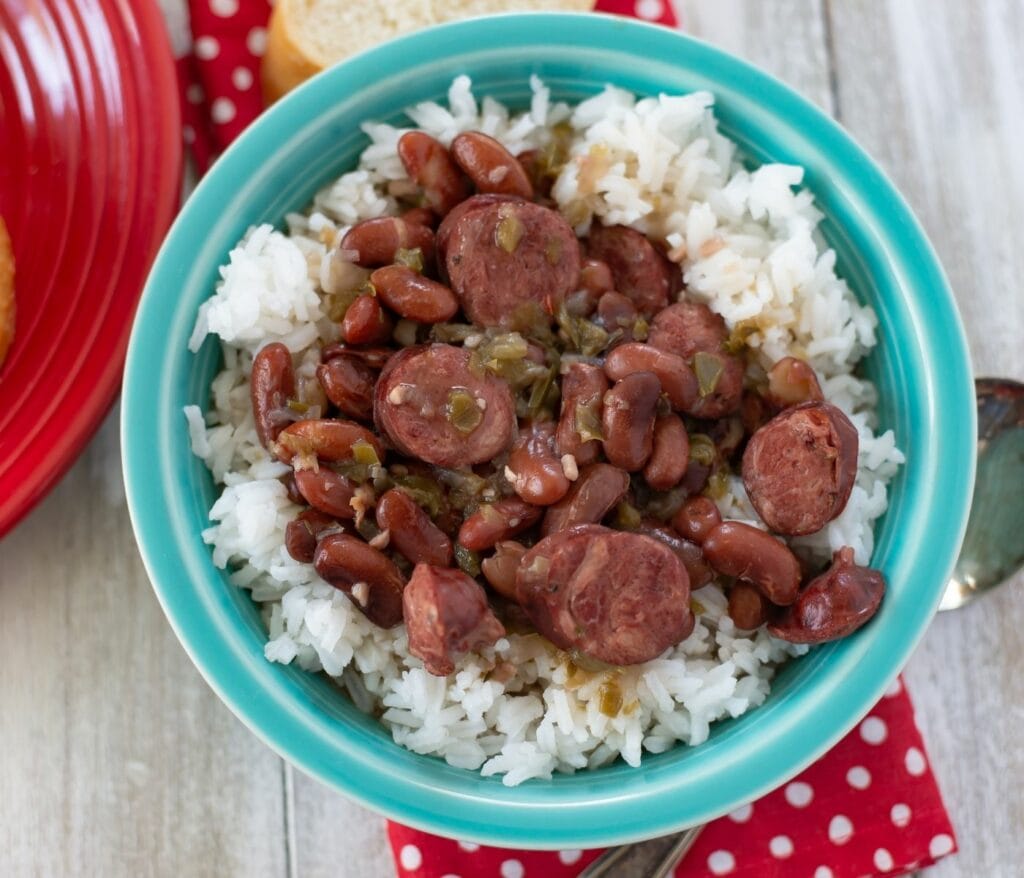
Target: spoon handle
column 654, row 858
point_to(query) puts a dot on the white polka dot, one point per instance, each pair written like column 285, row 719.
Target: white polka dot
column 410, row 857
column 194, row 93
column 781, row 847
column 512, row 869
column 224, row 8
column 895, row 688
column 652, row 10
column 858, row 777
column 721, row 863
column 823, row 872
column 256, row 41
column 914, row 760
column 207, row 48
column 188, row 134
column 242, row 78
column 569, row 857
column 222, row 111
column 873, row 730
column 799, row 794
column 840, row 829
column 469, row 846
column 940, row 845
column 883, row 860
column 900, row 815
column 741, row 814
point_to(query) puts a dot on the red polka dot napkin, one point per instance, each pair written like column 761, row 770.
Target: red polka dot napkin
column 869, row 807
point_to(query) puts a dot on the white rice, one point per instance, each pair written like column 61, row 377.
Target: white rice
column 747, row 246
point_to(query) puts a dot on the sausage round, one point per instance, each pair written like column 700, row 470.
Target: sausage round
column 597, row 490
column 511, row 263
column 446, row 616
column 691, row 328
column 618, row 597
column 628, row 417
column 741, row 550
column 834, row 604
column 414, row 399
column 639, row 270
column 411, row 531
column 455, row 215
column 365, row 574
column 583, row 390
column 800, row 467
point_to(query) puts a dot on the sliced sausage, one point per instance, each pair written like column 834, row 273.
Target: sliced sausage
column 455, row 215
column 534, row 469
column 434, row 407
column 429, row 164
column 447, row 617
column 411, row 531
column 370, row 579
column 670, row 454
column 628, row 417
column 327, row 491
column 689, row 329
column 348, row 383
column 741, row 550
column 583, row 390
column 800, row 467
column 792, row 381
column 500, row 568
column 598, row 489
column 412, row 296
column 834, row 604
column 639, row 270
column 306, row 530
column 494, row 522
column 377, row 241
column 689, row 553
column 619, row 597
column 366, row 322
column 271, row 386
column 491, row 167
column 677, row 380
column 512, row 263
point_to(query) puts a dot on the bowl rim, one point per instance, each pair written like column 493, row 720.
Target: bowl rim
column 537, row 814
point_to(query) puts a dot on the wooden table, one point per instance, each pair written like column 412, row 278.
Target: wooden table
column 117, row 758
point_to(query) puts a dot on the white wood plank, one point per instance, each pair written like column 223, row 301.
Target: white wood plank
column 117, row 758
column 935, row 91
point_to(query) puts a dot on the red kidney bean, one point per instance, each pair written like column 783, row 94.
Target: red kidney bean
column 411, row 531
column 422, row 216
column 676, row 378
column 792, row 381
column 374, row 357
column 292, row 489
column 583, row 389
column 581, row 303
column 500, row 569
column 628, row 420
column 494, row 522
column 596, row 277
column 616, row 312
column 748, row 608
column 491, row 167
column 366, row 322
column 429, row 164
column 727, row 433
column 377, row 241
column 327, row 439
column 271, row 386
column 306, row 530
column 834, row 604
column 670, row 454
column 348, row 383
column 327, row 491
column 695, row 479
column 696, row 518
column 598, row 489
column 754, row 413
column 689, row 552
column 413, row 296
column 743, row 551
column 537, row 474
column 365, row 574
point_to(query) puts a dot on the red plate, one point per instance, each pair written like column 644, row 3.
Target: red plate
column 90, row 169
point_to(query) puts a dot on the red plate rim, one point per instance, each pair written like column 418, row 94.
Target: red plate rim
column 93, row 151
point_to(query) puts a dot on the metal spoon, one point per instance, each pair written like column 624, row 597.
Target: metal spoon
column 992, row 551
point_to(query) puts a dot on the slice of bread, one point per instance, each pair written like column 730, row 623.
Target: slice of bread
column 6, row 291
column 305, row 36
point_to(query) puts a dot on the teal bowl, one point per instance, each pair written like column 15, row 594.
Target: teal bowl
column 920, row 365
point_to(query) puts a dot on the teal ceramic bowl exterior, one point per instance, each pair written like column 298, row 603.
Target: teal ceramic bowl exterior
column 920, row 365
